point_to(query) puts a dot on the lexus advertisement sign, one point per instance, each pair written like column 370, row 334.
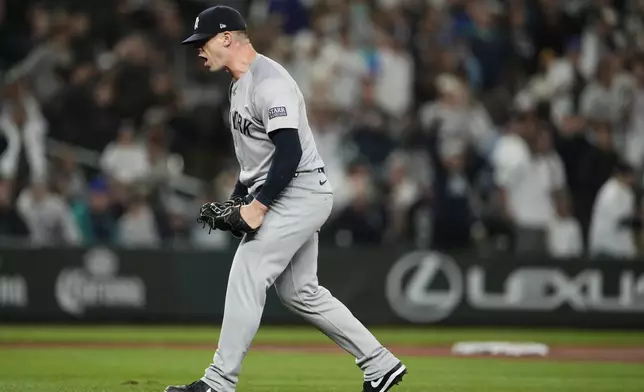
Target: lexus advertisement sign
column 379, row 286
column 424, row 287
column 429, row 287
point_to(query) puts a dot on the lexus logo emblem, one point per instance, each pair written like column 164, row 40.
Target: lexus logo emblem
column 412, row 291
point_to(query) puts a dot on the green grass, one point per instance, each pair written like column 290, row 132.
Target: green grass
column 129, row 370
column 276, row 335
column 151, row 369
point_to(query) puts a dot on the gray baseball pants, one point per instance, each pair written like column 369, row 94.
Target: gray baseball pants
column 284, row 253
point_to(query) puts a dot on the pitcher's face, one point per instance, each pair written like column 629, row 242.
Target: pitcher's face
column 215, row 51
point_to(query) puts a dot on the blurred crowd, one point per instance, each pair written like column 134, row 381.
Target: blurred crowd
column 487, row 125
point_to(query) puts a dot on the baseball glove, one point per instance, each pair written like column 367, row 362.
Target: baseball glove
column 218, row 214
column 232, row 217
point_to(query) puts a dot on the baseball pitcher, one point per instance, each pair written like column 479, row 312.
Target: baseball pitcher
column 281, row 200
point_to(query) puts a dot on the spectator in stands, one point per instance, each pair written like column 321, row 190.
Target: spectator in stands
column 524, row 186
column 377, row 68
column 51, row 50
column 600, row 38
column 404, row 191
column 350, row 70
column 86, row 102
column 132, row 87
column 479, row 26
column 431, row 32
column 81, row 37
column 635, row 131
column 104, row 117
column 48, row 217
column 600, row 100
column 157, row 154
column 68, row 178
column 137, row 227
column 452, row 195
column 564, row 83
column 170, row 27
column 24, row 128
column 12, row 226
column 125, row 159
column 370, row 136
column 302, row 60
column 96, row 219
column 615, row 217
column 175, row 220
column 292, row 15
column 524, row 43
column 420, row 231
column 632, row 17
column 552, row 23
column 456, row 115
column 589, row 159
column 393, row 82
column 565, row 238
column 120, row 196
column 363, row 221
column 549, row 163
column 164, row 94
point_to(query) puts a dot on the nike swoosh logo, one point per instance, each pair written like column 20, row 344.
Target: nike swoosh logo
column 375, row 384
column 323, row 182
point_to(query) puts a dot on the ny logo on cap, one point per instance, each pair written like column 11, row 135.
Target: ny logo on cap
column 196, row 23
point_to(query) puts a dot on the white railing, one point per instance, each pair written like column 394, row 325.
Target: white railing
column 180, row 182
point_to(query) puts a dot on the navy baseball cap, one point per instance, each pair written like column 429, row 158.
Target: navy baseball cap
column 213, row 21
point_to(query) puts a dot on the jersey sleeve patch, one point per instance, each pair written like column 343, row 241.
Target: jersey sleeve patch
column 278, row 111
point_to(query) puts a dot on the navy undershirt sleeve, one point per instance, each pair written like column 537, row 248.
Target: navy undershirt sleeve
column 288, row 152
column 240, row 190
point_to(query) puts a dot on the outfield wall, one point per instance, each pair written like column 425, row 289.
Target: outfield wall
column 381, row 286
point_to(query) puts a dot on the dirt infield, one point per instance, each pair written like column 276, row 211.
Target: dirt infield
column 612, row 354
column 558, row 353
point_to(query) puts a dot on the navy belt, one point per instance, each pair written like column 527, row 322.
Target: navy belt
column 319, row 170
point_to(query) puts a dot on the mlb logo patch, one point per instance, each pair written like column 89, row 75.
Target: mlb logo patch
column 278, row 111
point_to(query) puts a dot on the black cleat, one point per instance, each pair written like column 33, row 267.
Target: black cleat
column 197, row 386
column 384, row 383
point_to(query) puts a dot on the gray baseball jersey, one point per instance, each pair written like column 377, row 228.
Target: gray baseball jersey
column 264, row 99
column 283, row 253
